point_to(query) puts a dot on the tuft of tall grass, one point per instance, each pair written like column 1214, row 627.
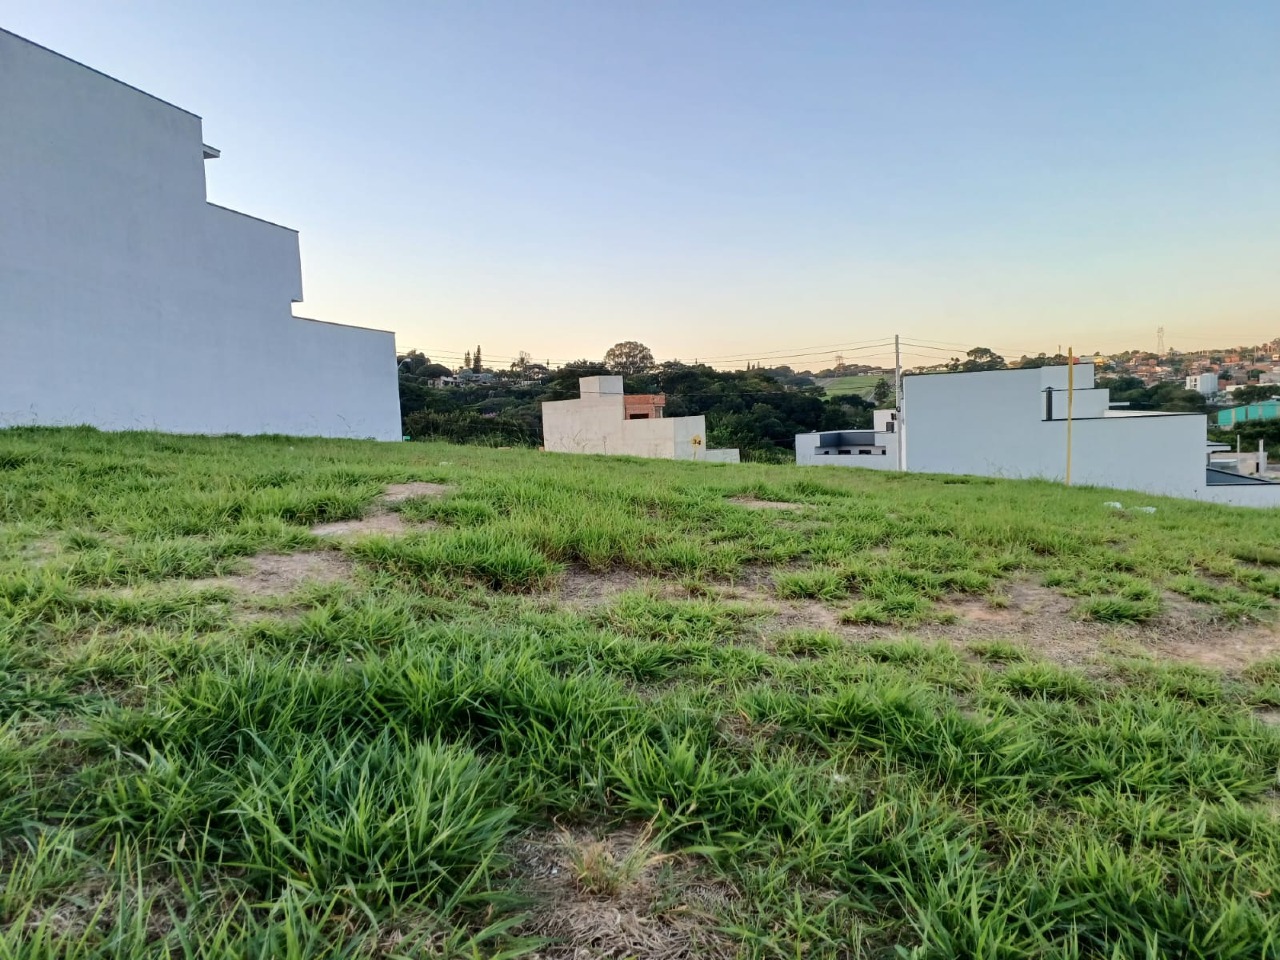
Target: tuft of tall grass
column 480, row 556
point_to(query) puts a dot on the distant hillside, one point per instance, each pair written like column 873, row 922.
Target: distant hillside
column 860, row 384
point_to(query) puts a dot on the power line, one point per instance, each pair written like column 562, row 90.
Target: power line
column 919, row 347
column 874, row 341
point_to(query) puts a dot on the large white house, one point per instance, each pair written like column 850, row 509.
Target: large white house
column 604, row 420
column 127, row 301
column 1013, row 423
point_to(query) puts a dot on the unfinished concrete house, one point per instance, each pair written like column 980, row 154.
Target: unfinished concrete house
column 604, row 420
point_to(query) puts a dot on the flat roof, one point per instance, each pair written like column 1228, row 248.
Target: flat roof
column 1129, row 414
column 241, row 213
column 1080, row 362
column 349, row 326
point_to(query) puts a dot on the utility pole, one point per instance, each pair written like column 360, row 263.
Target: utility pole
column 1071, row 395
column 897, row 394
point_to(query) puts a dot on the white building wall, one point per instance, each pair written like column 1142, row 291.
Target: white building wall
column 128, row 302
column 992, row 424
column 1203, row 383
column 592, row 424
column 1243, row 495
column 807, row 455
column 975, row 423
column 596, row 423
column 1155, row 454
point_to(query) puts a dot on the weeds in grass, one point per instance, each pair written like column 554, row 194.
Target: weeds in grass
column 599, row 871
column 819, row 584
column 343, row 775
column 1117, row 609
column 999, row 651
column 1048, row 681
column 808, row 643
column 1257, row 553
column 478, row 556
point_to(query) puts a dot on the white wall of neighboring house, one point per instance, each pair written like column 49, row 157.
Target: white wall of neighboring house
column 597, row 423
column 129, row 302
column 1003, row 424
column 1203, row 383
column 874, row 449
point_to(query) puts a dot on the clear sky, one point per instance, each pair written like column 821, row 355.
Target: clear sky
column 719, row 178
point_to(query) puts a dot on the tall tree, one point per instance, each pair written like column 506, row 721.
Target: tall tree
column 979, row 358
column 466, row 361
column 476, row 364
column 882, row 392
column 629, row 358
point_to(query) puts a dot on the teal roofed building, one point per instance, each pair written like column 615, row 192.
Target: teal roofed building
column 1267, row 410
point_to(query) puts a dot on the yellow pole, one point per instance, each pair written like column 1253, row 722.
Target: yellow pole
column 1071, row 395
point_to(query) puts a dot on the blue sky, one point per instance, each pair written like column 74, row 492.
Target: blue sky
column 717, row 178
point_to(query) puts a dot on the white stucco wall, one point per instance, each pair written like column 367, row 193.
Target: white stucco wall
column 807, row 454
column 597, row 423
column 992, row 424
column 1245, row 495
column 129, row 302
column 592, row 424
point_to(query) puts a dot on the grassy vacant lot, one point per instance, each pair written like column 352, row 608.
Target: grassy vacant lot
column 862, row 385
column 272, row 697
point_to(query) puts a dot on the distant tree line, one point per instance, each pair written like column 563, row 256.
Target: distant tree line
column 759, row 411
column 1257, row 393
column 1173, row 396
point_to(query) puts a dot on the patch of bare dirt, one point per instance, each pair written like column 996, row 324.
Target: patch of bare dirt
column 806, row 615
column 1031, row 615
column 279, row 574
column 389, row 524
column 94, row 903
column 1041, row 619
column 1270, row 717
column 37, row 552
column 585, row 589
column 1225, row 648
column 616, row 896
column 978, row 611
column 399, row 492
column 753, row 503
column 380, row 520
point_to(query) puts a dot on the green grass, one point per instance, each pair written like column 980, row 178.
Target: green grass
column 353, row 769
column 861, row 384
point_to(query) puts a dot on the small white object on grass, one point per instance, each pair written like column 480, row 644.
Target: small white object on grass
column 1145, row 509
column 1113, row 504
